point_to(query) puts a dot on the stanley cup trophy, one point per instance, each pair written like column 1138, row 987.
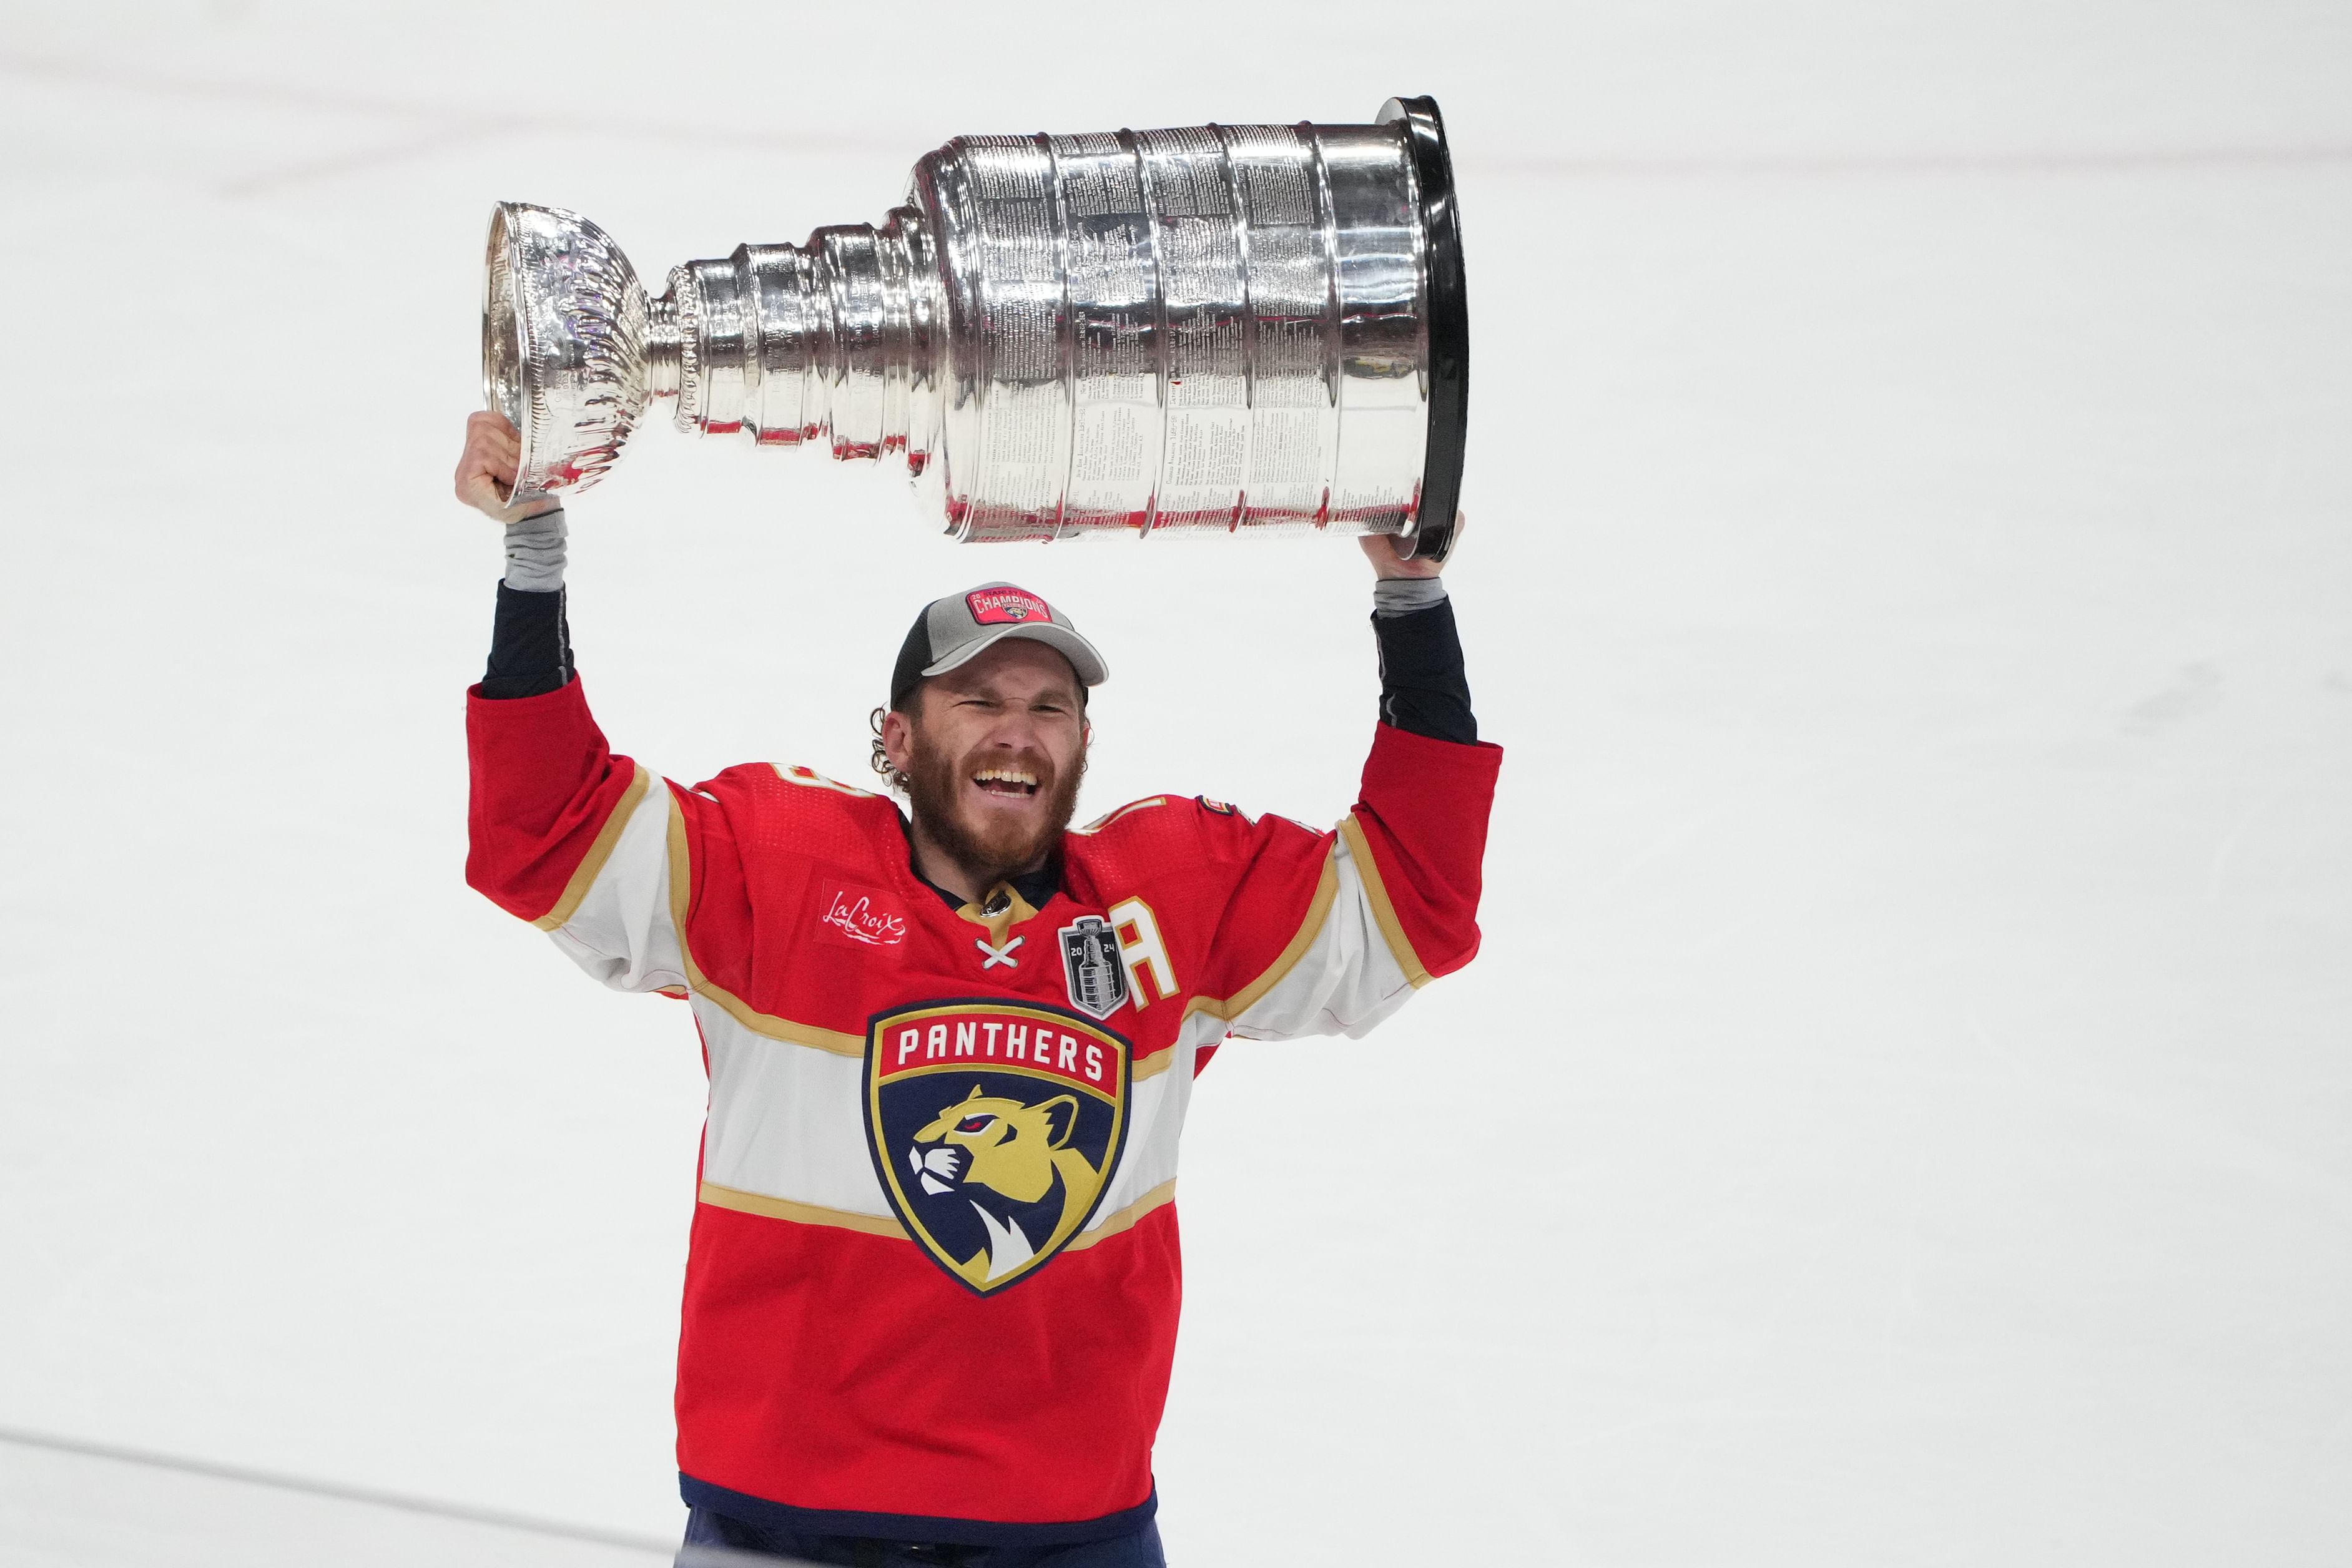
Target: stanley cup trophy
column 1250, row 329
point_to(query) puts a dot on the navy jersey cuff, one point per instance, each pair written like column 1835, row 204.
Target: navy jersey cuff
column 530, row 646
column 1424, row 687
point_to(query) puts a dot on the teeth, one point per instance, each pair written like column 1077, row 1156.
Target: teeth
column 1004, row 776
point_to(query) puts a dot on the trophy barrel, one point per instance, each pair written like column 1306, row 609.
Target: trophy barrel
column 1256, row 328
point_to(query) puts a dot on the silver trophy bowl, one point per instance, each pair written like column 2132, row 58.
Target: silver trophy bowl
column 1244, row 328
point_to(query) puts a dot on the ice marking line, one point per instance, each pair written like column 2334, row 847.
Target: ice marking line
column 359, row 158
column 328, row 1489
column 264, row 94
column 2217, row 871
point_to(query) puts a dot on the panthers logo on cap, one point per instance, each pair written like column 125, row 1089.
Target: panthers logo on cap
column 995, row 1128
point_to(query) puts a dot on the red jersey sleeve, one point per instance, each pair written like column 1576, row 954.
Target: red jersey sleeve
column 1329, row 933
column 1417, row 836
column 547, row 799
column 587, row 845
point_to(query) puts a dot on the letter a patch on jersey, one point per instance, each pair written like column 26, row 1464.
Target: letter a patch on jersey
column 995, row 1127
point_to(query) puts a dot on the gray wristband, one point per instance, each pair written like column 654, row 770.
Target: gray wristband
column 1394, row 596
column 535, row 553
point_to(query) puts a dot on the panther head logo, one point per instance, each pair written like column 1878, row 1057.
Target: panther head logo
column 996, row 1127
column 1013, row 1163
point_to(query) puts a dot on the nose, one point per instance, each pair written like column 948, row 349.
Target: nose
column 1015, row 729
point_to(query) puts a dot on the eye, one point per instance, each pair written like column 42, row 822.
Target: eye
column 974, row 1123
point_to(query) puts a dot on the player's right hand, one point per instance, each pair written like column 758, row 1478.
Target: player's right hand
column 486, row 470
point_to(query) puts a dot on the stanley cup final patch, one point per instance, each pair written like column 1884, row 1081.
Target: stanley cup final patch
column 995, row 1127
column 1092, row 966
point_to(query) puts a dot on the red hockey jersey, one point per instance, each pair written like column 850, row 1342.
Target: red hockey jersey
column 933, row 1280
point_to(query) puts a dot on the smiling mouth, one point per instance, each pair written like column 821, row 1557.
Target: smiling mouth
column 1005, row 783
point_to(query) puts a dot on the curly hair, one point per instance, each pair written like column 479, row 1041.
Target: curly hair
column 892, row 775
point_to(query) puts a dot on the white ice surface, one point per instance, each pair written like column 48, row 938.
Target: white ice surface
column 85, row 1510
column 1901, row 1115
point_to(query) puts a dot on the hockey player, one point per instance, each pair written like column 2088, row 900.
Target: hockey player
column 931, row 1290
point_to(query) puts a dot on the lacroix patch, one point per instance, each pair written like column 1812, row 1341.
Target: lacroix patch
column 1005, row 606
column 860, row 914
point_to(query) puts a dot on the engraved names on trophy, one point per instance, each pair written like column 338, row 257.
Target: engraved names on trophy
column 1114, row 324
column 1017, row 491
column 1295, row 423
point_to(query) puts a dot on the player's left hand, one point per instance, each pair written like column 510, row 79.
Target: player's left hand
column 1381, row 551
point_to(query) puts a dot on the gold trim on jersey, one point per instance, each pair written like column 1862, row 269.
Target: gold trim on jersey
column 1248, row 996
column 1107, row 818
column 584, row 876
column 768, row 1208
column 1124, row 1218
column 1359, row 850
column 681, row 889
column 810, row 778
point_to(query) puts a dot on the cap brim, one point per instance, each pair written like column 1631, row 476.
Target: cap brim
column 1081, row 653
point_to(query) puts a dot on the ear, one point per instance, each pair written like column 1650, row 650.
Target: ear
column 898, row 737
column 1061, row 1118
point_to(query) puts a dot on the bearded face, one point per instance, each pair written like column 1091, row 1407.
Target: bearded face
column 993, row 753
column 1025, row 804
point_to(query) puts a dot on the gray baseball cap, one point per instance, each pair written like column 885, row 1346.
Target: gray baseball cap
column 958, row 627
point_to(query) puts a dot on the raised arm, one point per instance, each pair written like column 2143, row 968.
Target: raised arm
column 1429, row 782
column 1329, row 934
column 561, row 832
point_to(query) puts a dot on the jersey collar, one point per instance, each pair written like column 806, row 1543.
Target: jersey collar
column 1027, row 893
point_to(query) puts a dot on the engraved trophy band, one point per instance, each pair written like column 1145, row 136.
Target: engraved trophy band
column 1248, row 328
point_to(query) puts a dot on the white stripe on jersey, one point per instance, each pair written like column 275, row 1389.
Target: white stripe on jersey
column 787, row 1116
column 622, row 932
column 788, row 1121
column 1344, row 983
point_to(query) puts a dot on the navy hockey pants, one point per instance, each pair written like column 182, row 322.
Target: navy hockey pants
column 710, row 1537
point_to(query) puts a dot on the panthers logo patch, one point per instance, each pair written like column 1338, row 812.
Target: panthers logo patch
column 995, row 1127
